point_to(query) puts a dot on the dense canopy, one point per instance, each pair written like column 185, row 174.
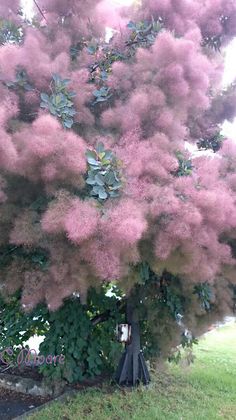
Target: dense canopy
column 95, row 176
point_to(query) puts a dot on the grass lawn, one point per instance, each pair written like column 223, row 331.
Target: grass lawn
column 205, row 391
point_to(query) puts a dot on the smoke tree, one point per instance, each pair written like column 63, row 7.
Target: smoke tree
column 96, row 182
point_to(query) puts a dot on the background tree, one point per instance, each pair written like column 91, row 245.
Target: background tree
column 96, row 183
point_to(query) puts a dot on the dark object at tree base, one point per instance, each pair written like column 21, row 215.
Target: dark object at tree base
column 132, row 368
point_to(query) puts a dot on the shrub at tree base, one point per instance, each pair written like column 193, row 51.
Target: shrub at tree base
column 72, row 331
column 96, row 184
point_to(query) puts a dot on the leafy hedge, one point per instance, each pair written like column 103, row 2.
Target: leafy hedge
column 89, row 347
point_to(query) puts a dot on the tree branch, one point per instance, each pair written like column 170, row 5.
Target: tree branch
column 107, row 314
column 40, row 10
column 101, row 317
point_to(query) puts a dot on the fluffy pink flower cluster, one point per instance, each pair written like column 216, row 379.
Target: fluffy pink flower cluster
column 46, row 152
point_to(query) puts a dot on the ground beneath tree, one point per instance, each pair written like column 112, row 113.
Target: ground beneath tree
column 97, row 382
column 13, row 404
column 24, row 372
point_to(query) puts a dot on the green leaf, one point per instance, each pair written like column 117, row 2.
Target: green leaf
column 114, row 194
column 44, row 105
column 99, row 179
column 116, row 186
column 90, row 181
column 96, row 189
column 93, row 161
column 100, row 147
column 108, row 154
column 110, row 178
column 71, row 112
column 71, row 94
column 131, row 25
column 91, row 49
column 90, row 154
column 97, row 93
column 102, row 194
column 45, row 97
column 52, row 109
column 68, row 123
column 56, row 78
column 100, row 99
column 57, row 99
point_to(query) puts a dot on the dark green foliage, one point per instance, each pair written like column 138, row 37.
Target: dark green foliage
column 185, row 165
column 76, row 48
column 16, row 327
column 188, row 340
column 74, row 331
column 175, row 357
column 74, row 51
column 234, row 298
column 103, row 173
column 111, row 55
column 173, row 301
column 69, row 335
column 232, row 244
column 37, row 256
column 160, row 303
column 60, row 103
column 144, row 33
column 92, row 48
column 144, row 272
column 102, row 95
column 163, row 308
column 185, row 352
column 101, row 68
column 40, row 204
column 21, row 81
column 212, row 143
column 85, row 334
column 213, row 42
column 89, row 349
column 167, row 287
column 205, row 295
column 10, row 33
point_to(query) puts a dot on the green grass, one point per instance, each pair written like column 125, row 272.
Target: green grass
column 205, row 391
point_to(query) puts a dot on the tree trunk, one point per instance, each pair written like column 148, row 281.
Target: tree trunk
column 132, row 368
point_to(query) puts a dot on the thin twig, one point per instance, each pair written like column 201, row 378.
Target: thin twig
column 10, row 251
column 8, row 367
column 40, row 10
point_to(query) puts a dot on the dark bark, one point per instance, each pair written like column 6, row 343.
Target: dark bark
column 132, row 368
column 107, row 314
